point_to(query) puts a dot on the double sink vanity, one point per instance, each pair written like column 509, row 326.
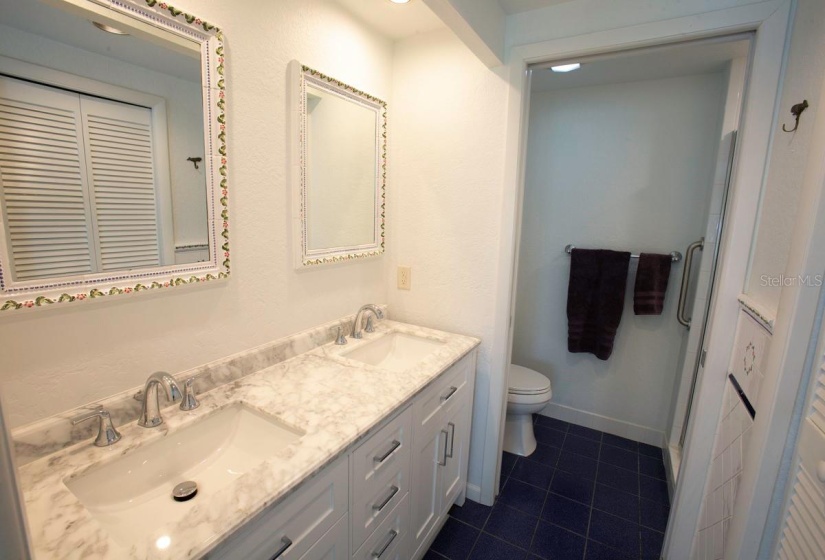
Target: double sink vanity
column 313, row 457
column 314, row 446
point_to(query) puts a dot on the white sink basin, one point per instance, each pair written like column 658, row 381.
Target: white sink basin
column 395, row 351
column 132, row 496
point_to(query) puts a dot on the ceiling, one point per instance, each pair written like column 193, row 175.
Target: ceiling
column 516, row 6
column 70, row 29
column 399, row 21
column 650, row 64
column 396, row 21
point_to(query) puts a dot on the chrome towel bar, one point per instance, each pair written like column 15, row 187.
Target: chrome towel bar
column 675, row 256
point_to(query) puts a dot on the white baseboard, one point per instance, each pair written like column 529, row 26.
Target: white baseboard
column 474, row 494
column 605, row 424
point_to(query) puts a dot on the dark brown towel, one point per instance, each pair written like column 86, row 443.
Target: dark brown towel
column 595, row 300
column 651, row 283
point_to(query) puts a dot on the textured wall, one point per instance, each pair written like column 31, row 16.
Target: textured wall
column 780, row 197
column 56, row 359
column 447, row 165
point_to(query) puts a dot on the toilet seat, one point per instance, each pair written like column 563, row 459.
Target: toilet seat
column 525, row 381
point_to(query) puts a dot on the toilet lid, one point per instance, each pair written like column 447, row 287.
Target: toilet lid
column 525, row 381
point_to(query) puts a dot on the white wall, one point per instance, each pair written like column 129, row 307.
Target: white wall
column 184, row 115
column 581, row 17
column 625, row 167
column 56, row 359
column 480, row 24
column 447, row 124
column 780, row 198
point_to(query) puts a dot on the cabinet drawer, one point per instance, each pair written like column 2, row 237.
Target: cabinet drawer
column 442, row 394
column 302, row 519
column 373, row 505
column 383, row 452
column 390, row 541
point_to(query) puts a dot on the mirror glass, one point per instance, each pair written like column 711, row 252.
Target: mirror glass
column 104, row 165
column 341, row 171
column 342, row 147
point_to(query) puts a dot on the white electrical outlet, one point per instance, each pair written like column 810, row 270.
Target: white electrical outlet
column 404, row 277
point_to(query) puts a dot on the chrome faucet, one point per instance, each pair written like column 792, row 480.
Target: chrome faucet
column 150, row 411
column 359, row 317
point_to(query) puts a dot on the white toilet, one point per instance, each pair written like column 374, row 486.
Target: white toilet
column 528, row 392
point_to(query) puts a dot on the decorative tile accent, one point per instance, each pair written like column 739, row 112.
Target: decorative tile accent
column 730, row 448
column 758, row 312
column 750, row 346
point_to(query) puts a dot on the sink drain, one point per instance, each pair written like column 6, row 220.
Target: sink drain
column 185, row 491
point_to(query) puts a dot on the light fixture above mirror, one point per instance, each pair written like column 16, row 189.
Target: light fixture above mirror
column 101, row 198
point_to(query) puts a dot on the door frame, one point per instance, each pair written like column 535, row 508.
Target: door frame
column 770, row 22
column 795, row 353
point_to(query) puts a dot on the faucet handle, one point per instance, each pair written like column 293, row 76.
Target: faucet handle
column 370, row 327
column 106, row 433
column 340, row 339
column 189, row 402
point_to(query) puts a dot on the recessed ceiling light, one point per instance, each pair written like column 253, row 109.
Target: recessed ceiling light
column 400, row 1
column 108, row 28
column 566, row 67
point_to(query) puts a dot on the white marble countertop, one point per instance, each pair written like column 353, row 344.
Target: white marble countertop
column 336, row 401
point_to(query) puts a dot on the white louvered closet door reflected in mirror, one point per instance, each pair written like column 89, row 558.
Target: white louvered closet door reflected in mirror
column 803, row 532
column 78, row 183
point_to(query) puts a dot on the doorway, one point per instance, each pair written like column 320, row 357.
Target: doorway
column 631, row 152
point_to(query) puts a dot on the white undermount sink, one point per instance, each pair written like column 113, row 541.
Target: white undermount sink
column 395, row 351
column 132, row 496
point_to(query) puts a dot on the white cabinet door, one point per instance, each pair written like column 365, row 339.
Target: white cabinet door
column 453, row 473
column 803, row 534
column 425, row 491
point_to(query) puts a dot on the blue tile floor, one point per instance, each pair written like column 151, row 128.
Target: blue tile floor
column 583, row 494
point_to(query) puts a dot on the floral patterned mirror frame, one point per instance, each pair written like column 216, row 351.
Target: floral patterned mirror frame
column 167, row 18
column 299, row 77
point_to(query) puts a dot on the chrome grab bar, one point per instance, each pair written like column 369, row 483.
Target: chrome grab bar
column 686, row 272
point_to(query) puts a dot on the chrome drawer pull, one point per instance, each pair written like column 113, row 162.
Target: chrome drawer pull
column 382, row 505
column 285, row 544
column 452, row 440
column 446, row 437
column 380, row 553
column 395, row 445
column 449, row 394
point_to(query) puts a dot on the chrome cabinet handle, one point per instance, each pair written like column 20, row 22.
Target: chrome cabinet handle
column 380, row 553
column 686, row 274
column 446, row 437
column 451, row 392
column 452, row 440
column 381, row 458
column 285, row 544
column 382, row 505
